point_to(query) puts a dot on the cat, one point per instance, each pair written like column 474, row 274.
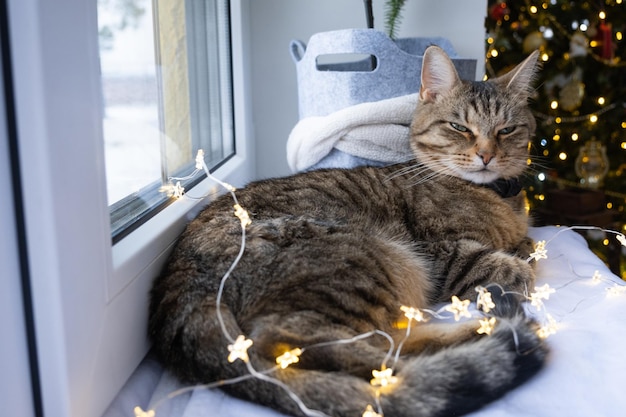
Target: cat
column 334, row 253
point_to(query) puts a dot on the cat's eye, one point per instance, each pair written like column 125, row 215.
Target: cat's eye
column 506, row 130
column 459, row 127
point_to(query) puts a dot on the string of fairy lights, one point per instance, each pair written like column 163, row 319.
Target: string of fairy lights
column 383, row 378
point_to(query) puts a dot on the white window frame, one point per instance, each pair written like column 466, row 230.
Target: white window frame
column 90, row 299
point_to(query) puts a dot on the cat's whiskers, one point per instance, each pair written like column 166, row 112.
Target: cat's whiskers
column 419, row 169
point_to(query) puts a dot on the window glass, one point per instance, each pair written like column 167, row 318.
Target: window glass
column 167, row 92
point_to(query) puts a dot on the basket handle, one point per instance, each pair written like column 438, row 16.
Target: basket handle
column 297, row 49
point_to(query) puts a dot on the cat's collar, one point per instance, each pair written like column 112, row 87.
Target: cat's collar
column 505, row 187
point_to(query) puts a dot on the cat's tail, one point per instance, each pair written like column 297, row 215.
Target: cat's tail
column 463, row 378
column 451, row 380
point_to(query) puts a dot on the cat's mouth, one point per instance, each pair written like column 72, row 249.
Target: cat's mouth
column 481, row 176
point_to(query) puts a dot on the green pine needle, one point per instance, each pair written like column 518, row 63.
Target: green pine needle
column 393, row 16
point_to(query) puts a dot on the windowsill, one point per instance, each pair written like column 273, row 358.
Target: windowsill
column 143, row 252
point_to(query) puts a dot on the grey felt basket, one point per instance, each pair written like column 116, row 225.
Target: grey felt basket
column 387, row 68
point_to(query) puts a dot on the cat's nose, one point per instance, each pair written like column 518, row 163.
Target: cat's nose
column 485, row 156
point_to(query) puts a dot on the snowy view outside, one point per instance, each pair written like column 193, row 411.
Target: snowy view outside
column 130, row 94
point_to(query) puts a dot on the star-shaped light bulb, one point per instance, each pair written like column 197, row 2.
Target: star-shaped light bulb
column 597, row 277
column 617, row 289
column 383, row 378
column 289, row 358
column 139, row 412
column 200, row 159
column 541, row 293
column 242, row 214
column 413, row 313
column 484, row 300
column 239, row 349
column 460, row 308
column 370, row 412
column 178, row 190
column 486, row 326
column 540, row 251
column 548, row 328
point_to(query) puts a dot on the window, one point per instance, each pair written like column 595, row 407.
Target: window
column 167, row 92
column 89, row 297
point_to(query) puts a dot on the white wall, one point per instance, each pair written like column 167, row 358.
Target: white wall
column 274, row 23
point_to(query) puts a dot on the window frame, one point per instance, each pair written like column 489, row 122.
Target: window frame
column 89, row 297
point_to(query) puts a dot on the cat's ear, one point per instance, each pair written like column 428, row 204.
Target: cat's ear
column 438, row 74
column 520, row 78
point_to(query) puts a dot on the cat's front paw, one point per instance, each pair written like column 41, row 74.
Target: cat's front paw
column 525, row 248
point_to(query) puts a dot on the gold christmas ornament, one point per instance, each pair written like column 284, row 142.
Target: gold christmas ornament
column 571, row 95
column 592, row 164
column 533, row 41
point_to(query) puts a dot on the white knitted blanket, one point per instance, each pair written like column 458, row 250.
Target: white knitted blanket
column 376, row 131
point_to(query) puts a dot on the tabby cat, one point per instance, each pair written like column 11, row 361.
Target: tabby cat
column 332, row 254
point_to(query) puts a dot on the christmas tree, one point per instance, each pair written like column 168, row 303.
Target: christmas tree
column 580, row 101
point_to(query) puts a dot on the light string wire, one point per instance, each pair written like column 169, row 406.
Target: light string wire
column 383, row 377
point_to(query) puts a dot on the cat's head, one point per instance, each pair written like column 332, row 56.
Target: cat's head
column 478, row 131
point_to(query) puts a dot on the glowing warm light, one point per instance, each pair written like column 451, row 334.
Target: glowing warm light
column 533, row 9
column 547, row 329
column 562, row 156
column 412, row 313
column 574, row 137
column 605, row 242
column 545, row 57
column 460, row 308
column 556, row 138
column 242, row 214
column 593, row 118
column 541, row 293
column 139, row 412
column 618, row 36
column 616, row 290
column 369, row 412
column 540, row 250
column 602, row 15
column 597, row 277
column 178, row 190
column 609, row 205
column 490, row 40
column 623, row 125
column 494, row 53
column 486, row 326
column 289, row 358
column 239, row 349
column 383, row 378
column 541, row 177
column 554, row 105
column 541, row 197
column 601, row 100
column 484, row 300
column 557, row 120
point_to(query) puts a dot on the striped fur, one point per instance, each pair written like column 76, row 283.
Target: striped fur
column 331, row 254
